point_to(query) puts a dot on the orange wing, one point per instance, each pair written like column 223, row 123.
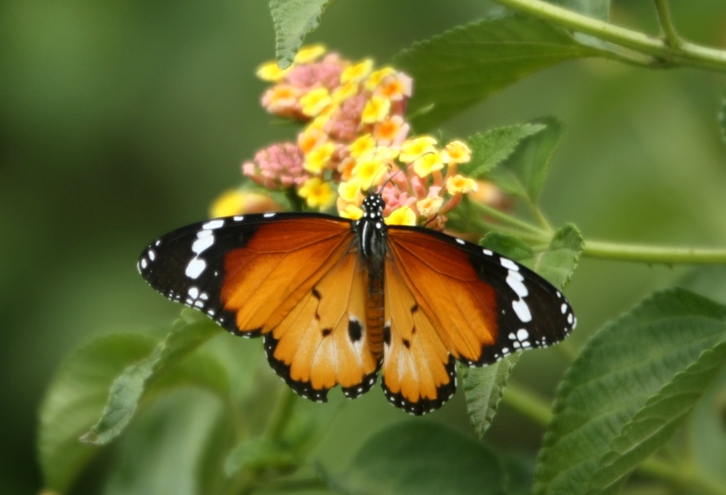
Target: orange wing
column 293, row 278
column 419, row 373
column 323, row 342
column 447, row 298
column 445, row 284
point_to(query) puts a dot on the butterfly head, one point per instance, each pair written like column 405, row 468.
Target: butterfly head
column 373, row 207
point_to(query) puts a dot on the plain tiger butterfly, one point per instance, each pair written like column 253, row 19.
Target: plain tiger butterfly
column 338, row 301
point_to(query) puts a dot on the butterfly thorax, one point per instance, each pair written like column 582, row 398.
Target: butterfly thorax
column 370, row 231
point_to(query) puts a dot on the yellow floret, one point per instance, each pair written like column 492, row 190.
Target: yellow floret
column 361, row 146
column 317, row 159
column 376, row 110
column 427, row 164
column 456, row 152
column 429, row 206
column 358, row 72
column 401, row 216
column 316, row 193
column 271, row 72
column 308, row 54
column 460, row 184
column 413, row 149
column 315, row 101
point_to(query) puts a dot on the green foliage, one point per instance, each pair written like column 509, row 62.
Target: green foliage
column 558, row 262
column 294, row 19
column 629, row 388
column 483, row 388
column 128, row 389
column 189, row 414
column 511, row 246
column 490, row 148
column 166, row 450
column 75, row 399
column 465, row 65
column 422, row 458
column 523, row 173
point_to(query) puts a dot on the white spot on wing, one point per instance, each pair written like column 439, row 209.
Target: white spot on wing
column 195, row 268
column 202, row 244
column 522, row 309
column 144, row 263
column 213, row 224
column 522, row 334
column 460, row 241
column 515, row 281
column 268, row 215
column 152, row 255
column 509, row 264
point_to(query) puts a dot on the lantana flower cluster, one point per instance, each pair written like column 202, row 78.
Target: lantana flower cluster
column 356, row 141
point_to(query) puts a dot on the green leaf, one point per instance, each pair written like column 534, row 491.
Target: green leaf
column 127, row 389
column 490, row 148
column 293, row 20
column 422, row 458
column 483, row 389
column 76, row 398
column 167, row 446
column 621, row 375
column 599, row 9
column 510, row 246
column 559, row 260
column 524, row 172
column 454, row 70
column 653, row 425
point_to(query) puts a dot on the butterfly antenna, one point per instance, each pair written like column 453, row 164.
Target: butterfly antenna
column 390, row 179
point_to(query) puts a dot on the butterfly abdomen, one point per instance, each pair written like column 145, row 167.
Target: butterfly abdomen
column 370, row 232
column 375, row 313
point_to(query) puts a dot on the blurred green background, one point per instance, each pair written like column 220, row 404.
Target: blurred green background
column 122, row 120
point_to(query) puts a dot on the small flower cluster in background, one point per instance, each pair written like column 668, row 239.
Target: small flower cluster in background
column 355, row 141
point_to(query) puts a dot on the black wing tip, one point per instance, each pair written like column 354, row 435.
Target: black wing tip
column 425, row 406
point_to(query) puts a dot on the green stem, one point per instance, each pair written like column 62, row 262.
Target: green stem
column 666, row 24
column 527, row 403
column 653, row 254
column 685, row 54
column 296, row 202
column 681, row 475
column 281, row 414
column 483, row 225
column 539, row 216
column 507, row 219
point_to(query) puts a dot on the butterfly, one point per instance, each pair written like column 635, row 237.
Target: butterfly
column 339, row 301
